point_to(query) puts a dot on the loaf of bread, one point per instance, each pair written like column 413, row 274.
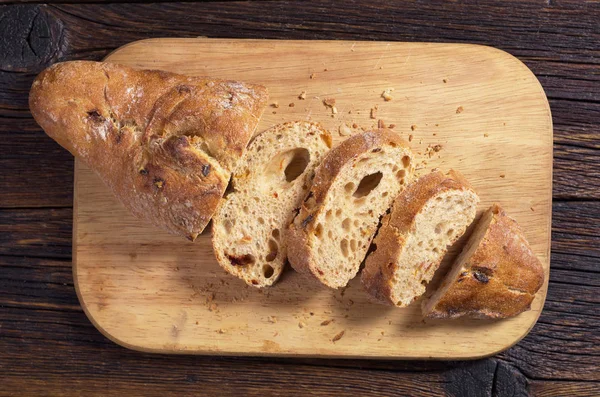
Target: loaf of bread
column 250, row 225
column 426, row 218
column 165, row 144
column 496, row 275
column 354, row 185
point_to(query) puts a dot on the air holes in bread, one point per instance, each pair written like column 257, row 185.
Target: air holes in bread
column 268, row 271
column 353, row 245
column 450, row 232
column 401, row 174
column 241, row 260
column 261, row 220
column 346, row 224
column 275, row 234
column 344, row 247
column 319, row 230
column 228, row 225
column 297, row 165
column 406, row 161
column 349, row 187
column 367, row 184
column 273, row 250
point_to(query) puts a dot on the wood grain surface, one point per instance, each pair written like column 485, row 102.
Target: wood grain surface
column 153, row 292
column 50, row 347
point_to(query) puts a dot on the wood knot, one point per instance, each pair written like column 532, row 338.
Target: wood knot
column 30, row 38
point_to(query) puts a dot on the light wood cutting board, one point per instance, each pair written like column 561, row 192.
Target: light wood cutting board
column 151, row 291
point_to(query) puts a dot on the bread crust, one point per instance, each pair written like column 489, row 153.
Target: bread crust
column 499, row 280
column 164, row 143
column 299, row 252
column 392, row 236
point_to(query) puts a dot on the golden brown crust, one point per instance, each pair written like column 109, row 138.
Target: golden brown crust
column 165, row 144
column 381, row 264
column 302, row 226
column 499, row 280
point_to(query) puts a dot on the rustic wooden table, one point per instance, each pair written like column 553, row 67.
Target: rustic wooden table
column 47, row 344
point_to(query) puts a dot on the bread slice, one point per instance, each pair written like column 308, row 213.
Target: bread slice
column 426, row 218
column 497, row 274
column 165, row 144
column 354, row 185
column 250, row 226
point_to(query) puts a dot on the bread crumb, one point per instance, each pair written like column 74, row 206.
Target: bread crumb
column 531, row 208
column 312, row 314
column 380, row 124
column 350, row 302
column 334, row 110
column 413, row 127
column 392, row 126
column 387, row 94
column 338, row 336
column 275, row 104
column 302, row 95
column 431, row 149
column 502, row 176
column 301, row 324
column 197, row 323
column 374, row 112
column 354, row 125
column 312, row 76
column 486, row 135
column 410, row 138
column 274, row 112
column 326, row 322
column 344, row 130
column 325, row 69
column 459, row 109
column 221, row 331
column 329, row 102
column 292, row 105
column 272, row 319
column 382, row 333
column 444, row 80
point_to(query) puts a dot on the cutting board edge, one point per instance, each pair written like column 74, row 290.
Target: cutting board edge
column 542, row 294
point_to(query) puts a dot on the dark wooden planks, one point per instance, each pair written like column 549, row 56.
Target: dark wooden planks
column 49, row 345
column 42, row 233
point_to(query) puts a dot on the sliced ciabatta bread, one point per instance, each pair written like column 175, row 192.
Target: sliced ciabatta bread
column 354, row 185
column 276, row 172
column 495, row 276
column 426, row 218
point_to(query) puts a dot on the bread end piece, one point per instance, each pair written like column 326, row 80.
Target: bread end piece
column 496, row 275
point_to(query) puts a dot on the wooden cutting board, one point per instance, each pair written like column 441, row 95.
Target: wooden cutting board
column 151, row 291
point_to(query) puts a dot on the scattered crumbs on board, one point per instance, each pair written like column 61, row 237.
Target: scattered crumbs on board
column 486, row 135
column 392, row 126
column 444, row 81
column 326, row 322
column 313, row 76
column 272, row 319
column 459, row 110
column 221, row 331
column 502, row 176
column 302, row 95
column 292, row 105
column 413, row 127
column 338, row 336
column 410, row 138
column 275, row 105
column 531, row 208
column 387, row 94
column 374, row 112
column 301, row 324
